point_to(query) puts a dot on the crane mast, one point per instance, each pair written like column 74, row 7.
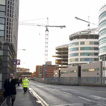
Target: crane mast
column 46, row 34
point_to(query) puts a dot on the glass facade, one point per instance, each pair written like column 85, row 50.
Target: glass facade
column 89, row 59
column 88, row 54
column 102, row 40
column 83, row 48
column 102, row 49
column 2, row 17
column 102, row 32
column 2, row 2
column 89, row 48
column 102, row 23
column 9, row 10
column 102, row 15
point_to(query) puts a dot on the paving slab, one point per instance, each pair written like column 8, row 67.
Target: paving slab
column 24, row 99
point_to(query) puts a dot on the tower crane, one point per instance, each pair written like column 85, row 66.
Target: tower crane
column 85, row 21
column 46, row 34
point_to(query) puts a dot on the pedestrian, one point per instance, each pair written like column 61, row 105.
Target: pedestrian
column 10, row 90
column 25, row 84
column 19, row 81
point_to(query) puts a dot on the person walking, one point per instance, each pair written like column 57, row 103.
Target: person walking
column 25, row 84
column 10, row 90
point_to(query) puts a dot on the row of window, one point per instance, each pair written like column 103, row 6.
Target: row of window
column 2, row 19
column 83, row 70
column 84, row 54
column 102, row 49
column 84, row 43
column 103, row 23
column 102, row 32
column 67, row 72
column 83, row 59
column 90, row 70
column 103, row 40
column 83, row 48
column 102, row 15
column 0, row 64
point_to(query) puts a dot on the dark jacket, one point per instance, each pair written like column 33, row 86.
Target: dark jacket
column 10, row 87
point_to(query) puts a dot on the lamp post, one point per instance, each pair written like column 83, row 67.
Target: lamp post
column 20, row 50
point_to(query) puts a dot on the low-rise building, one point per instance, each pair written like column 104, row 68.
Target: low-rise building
column 23, row 72
column 47, row 70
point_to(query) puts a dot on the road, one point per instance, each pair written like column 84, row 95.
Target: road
column 60, row 95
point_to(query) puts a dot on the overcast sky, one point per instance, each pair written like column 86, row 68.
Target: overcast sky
column 59, row 12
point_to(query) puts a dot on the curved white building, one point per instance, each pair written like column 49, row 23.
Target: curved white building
column 102, row 32
column 83, row 47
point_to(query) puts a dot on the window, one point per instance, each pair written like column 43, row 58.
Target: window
column 95, row 48
column 85, row 48
column 2, row 14
column 1, row 52
column 74, row 49
column 95, row 59
column 1, row 27
column 95, row 54
column 96, row 43
column 1, row 33
column 74, row 54
column 91, row 43
column 2, row 2
column 96, row 69
column 74, row 60
column 87, row 43
column 82, row 43
column 2, row 8
column 90, row 70
column 2, row 20
column 74, row 43
column 84, row 59
column 85, row 54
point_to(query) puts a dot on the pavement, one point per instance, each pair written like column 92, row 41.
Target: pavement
column 24, row 99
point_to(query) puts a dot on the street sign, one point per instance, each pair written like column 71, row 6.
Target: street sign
column 16, row 61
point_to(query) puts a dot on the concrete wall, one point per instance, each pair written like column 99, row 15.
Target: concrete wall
column 69, row 72
column 91, row 70
column 71, row 81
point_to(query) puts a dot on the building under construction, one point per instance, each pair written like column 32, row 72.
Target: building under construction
column 62, row 56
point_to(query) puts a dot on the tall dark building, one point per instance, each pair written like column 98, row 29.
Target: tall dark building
column 9, row 11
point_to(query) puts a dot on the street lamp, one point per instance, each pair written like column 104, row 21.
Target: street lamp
column 22, row 49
